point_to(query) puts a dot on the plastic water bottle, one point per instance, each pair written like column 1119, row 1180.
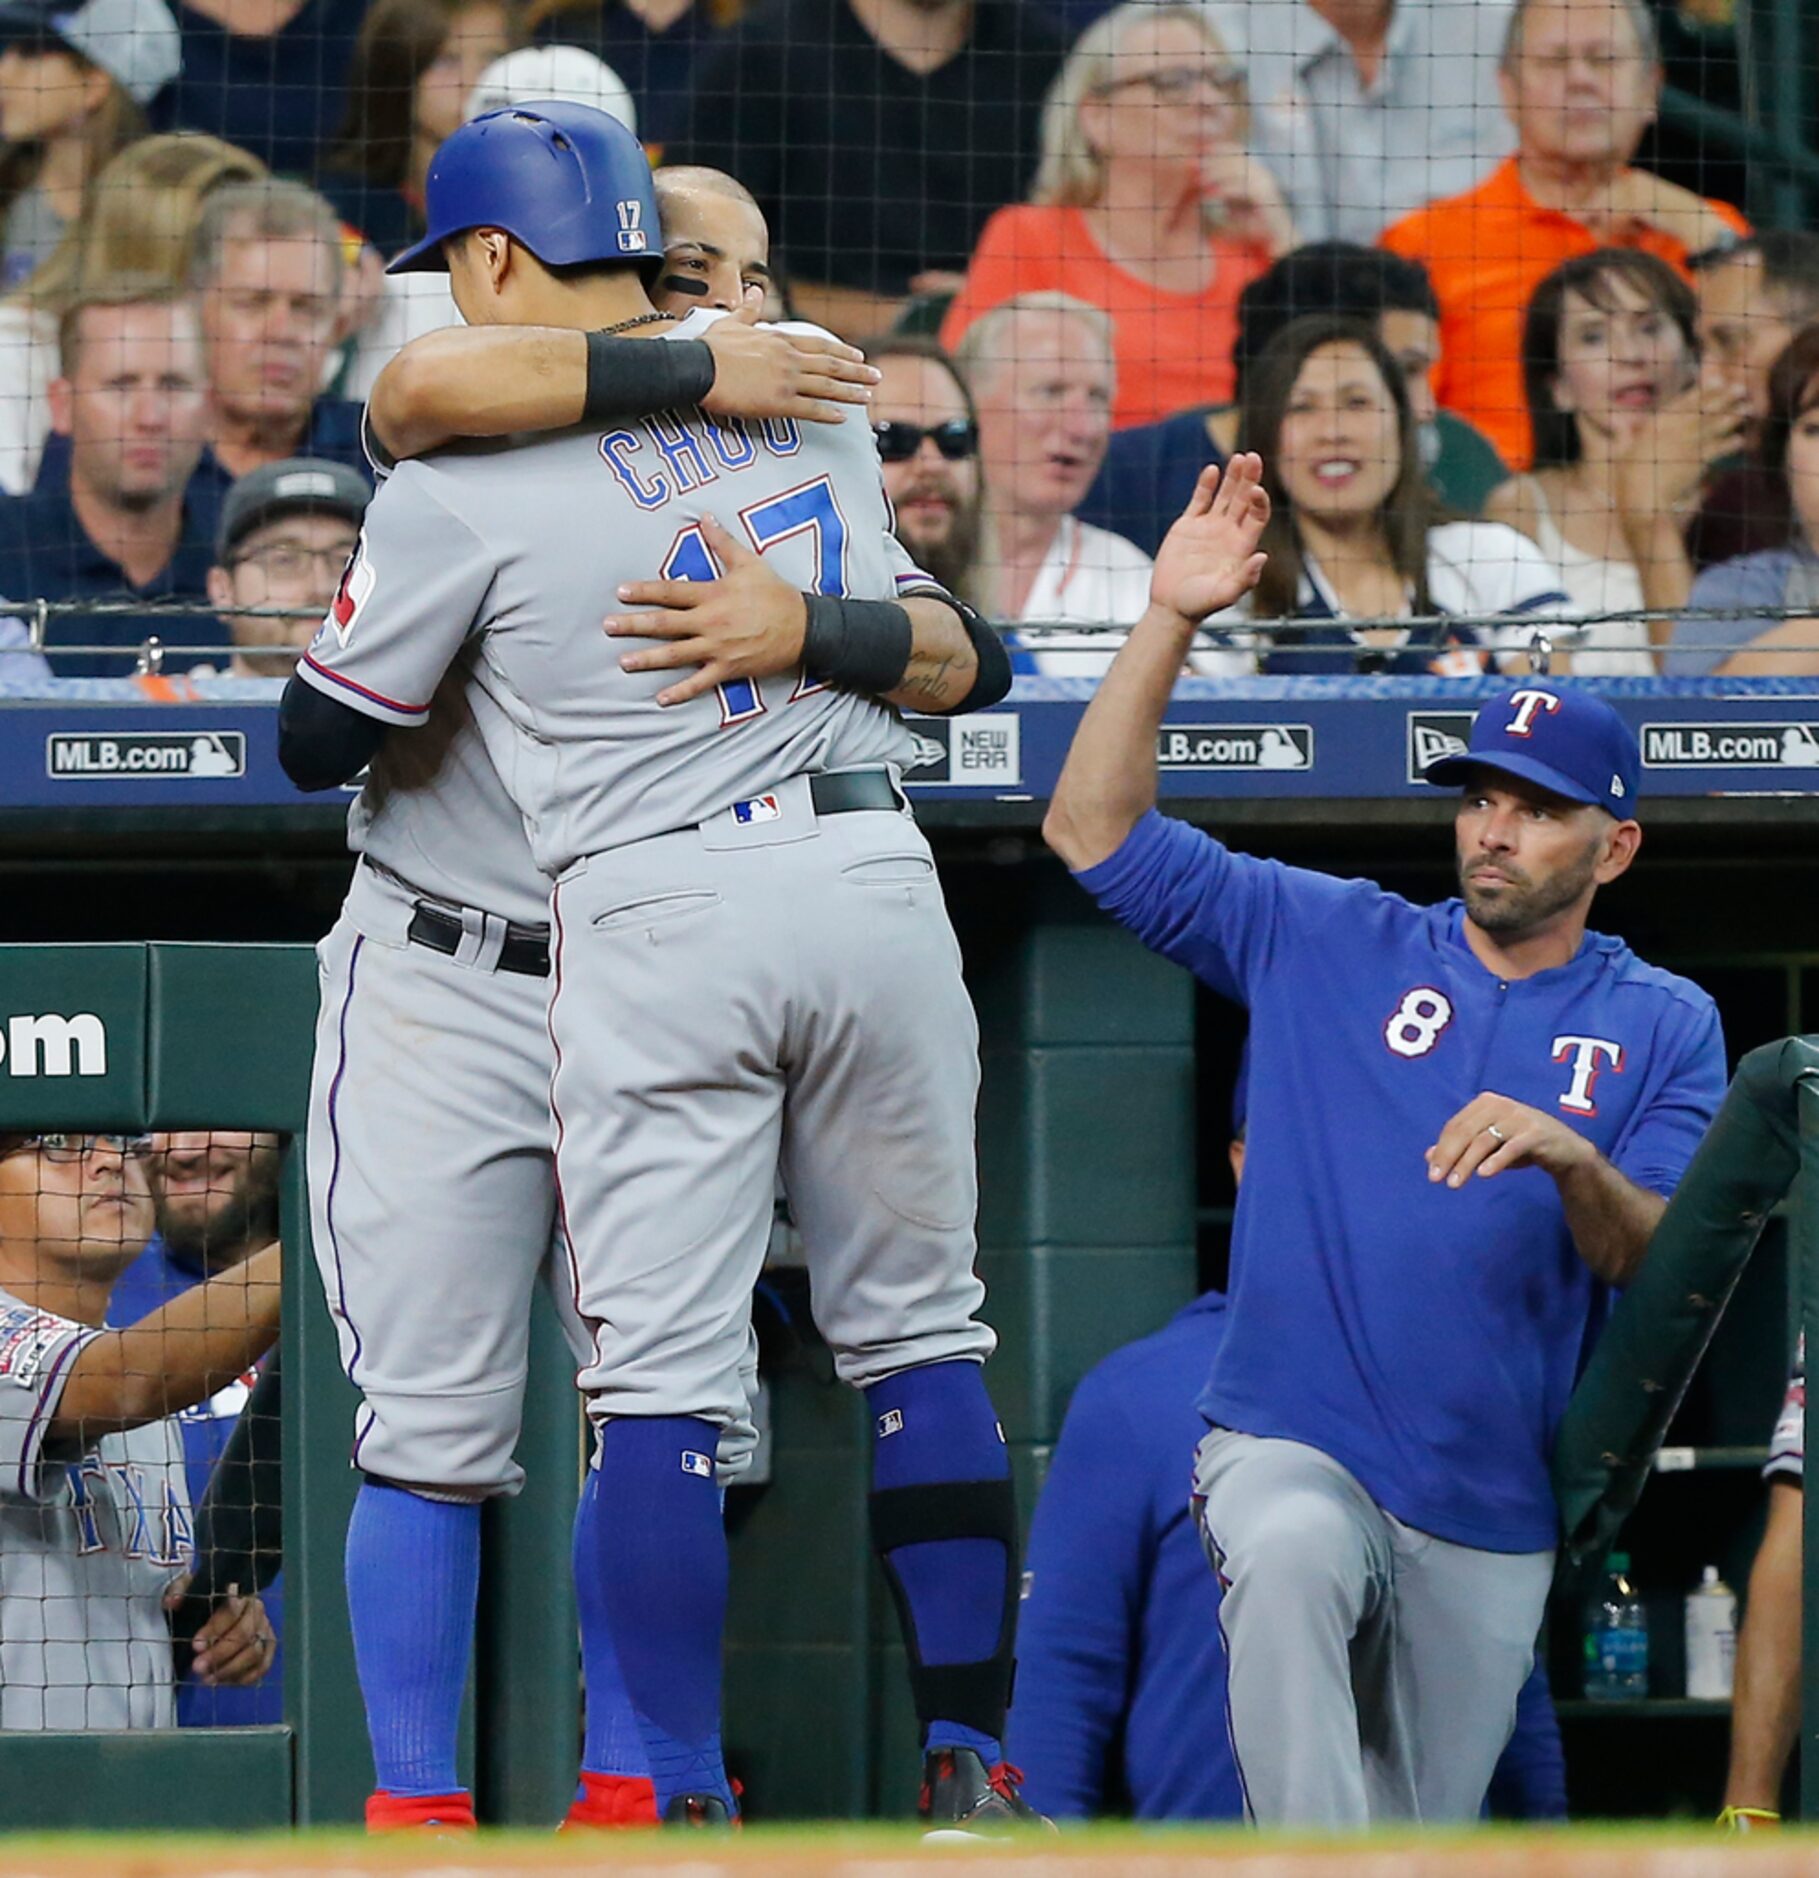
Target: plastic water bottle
column 1616, row 1640
column 1711, row 1638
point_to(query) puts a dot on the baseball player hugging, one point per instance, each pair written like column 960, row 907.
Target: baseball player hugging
column 750, row 971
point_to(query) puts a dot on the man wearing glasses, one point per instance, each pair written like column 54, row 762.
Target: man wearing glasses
column 1581, row 83
column 287, row 530
column 95, row 1534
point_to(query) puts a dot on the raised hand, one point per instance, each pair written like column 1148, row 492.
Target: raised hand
column 1662, row 455
column 1209, row 558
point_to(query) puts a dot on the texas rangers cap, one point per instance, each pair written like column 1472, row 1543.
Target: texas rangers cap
column 136, row 42
column 300, row 484
column 1566, row 739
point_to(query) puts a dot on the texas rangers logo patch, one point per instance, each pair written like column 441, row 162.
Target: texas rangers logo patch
column 355, row 590
column 1588, row 1056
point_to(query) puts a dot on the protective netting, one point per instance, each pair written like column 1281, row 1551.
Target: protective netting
column 1560, row 251
column 140, row 1554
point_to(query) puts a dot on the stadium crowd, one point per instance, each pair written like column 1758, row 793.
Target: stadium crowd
column 1402, row 249
column 1554, row 391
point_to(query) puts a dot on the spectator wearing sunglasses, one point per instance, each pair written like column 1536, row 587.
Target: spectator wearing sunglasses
column 928, row 442
column 1043, row 378
column 95, row 1520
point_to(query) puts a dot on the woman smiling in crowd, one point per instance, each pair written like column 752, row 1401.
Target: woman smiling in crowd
column 1354, row 532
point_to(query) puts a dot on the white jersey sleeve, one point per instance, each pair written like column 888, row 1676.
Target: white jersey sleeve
column 1787, row 1446
column 37, row 1350
column 408, row 601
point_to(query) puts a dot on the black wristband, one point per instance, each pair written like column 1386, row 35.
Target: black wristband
column 994, row 676
column 634, row 377
column 862, row 645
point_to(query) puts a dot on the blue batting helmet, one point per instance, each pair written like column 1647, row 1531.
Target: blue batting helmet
column 568, row 182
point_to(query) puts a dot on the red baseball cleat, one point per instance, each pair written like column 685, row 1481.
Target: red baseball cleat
column 433, row 1813
column 611, row 1802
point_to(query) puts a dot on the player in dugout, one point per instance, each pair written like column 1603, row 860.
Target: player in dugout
column 215, row 1205
column 1120, row 1660
column 1466, row 1120
column 94, row 1508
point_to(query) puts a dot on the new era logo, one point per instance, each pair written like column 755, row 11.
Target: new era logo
column 697, row 1464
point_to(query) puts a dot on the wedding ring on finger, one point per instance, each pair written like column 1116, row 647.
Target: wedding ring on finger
column 1495, row 1133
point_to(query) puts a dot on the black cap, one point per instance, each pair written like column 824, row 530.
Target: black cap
column 298, row 485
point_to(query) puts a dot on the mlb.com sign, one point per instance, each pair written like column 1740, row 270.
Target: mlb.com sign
column 52, row 1045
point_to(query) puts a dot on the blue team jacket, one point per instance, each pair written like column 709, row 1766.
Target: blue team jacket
column 1426, row 1338
column 155, row 1277
column 1120, row 1667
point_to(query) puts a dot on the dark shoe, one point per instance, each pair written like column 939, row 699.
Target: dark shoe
column 964, row 1799
column 707, row 1810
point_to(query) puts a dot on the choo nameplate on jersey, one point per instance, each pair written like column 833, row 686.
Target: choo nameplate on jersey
column 985, row 750
column 1787, row 745
column 161, row 755
column 1235, row 746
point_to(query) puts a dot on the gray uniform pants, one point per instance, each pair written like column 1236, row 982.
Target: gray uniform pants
column 1374, row 1669
column 736, row 998
column 432, row 1199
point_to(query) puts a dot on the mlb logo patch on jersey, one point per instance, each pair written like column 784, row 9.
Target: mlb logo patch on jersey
column 765, row 808
column 698, row 1464
column 890, row 1423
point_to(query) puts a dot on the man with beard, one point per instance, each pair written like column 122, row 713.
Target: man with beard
column 1465, row 1121
column 928, row 442
column 215, row 1198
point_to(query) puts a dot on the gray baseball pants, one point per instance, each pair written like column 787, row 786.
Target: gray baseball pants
column 735, row 999
column 1374, row 1669
column 433, row 1196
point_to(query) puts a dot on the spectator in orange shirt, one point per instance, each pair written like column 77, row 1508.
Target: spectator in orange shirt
column 1146, row 204
column 1581, row 80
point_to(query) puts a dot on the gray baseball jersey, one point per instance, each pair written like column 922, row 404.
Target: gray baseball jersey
column 433, row 813
column 89, row 1543
column 510, row 557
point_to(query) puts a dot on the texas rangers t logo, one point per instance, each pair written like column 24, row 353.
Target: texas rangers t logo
column 1528, row 703
column 1589, row 1055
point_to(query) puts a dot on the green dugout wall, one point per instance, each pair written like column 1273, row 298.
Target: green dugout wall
column 1081, row 1253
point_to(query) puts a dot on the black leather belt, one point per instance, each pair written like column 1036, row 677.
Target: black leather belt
column 525, row 950
column 841, row 791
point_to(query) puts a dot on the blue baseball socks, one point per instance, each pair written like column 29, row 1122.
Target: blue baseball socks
column 944, row 1525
